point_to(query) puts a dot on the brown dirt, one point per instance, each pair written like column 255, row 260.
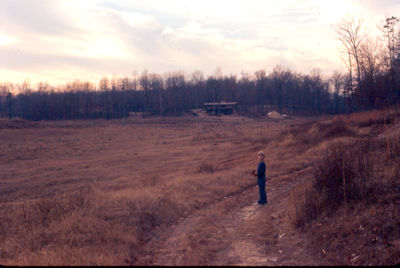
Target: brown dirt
column 225, row 233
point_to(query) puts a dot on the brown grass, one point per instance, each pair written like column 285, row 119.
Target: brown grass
column 351, row 208
column 206, row 168
column 17, row 123
column 93, row 192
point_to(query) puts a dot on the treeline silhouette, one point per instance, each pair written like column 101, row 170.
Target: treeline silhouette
column 172, row 94
column 175, row 94
column 371, row 81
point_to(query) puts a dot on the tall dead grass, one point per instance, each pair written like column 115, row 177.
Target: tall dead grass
column 136, row 181
column 341, row 178
column 355, row 182
column 58, row 229
column 312, row 133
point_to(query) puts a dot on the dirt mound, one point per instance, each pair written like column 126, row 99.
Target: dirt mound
column 17, row 123
column 275, row 115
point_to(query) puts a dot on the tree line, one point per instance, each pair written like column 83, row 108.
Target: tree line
column 371, row 81
column 172, row 94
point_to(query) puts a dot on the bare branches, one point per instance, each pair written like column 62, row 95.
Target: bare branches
column 349, row 32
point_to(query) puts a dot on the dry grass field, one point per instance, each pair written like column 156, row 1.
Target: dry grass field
column 168, row 190
column 85, row 192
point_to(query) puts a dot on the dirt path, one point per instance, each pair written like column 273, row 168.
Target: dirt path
column 224, row 233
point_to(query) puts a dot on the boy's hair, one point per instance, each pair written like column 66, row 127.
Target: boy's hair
column 261, row 153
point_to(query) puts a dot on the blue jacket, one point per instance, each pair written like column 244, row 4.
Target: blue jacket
column 261, row 170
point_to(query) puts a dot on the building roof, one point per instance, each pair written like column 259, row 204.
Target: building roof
column 219, row 103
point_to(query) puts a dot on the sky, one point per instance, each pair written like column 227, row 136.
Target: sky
column 58, row 41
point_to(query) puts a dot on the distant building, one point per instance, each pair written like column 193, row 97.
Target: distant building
column 220, row 107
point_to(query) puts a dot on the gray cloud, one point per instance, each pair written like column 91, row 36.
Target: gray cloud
column 150, row 42
column 21, row 60
column 145, row 39
column 34, row 17
column 381, row 5
column 174, row 20
column 34, row 22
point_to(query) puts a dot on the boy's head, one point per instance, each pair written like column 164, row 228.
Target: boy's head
column 261, row 155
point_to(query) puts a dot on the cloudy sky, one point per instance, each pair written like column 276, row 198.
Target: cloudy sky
column 61, row 40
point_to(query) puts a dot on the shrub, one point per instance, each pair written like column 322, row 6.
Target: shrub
column 206, row 168
column 313, row 133
column 375, row 118
column 342, row 177
column 336, row 128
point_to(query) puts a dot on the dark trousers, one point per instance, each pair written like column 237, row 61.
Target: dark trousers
column 261, row 187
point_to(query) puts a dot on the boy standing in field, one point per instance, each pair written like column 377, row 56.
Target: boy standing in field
column 260, row 174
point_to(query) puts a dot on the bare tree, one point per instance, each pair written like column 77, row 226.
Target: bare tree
column 279, row 77
column 156, row 85
column 260, row 85
column 198, row 84
column 392, row 39
column 371, row 62
column 104, row 87
column 348, row 31
column 338, row 82
column 6, row 92
column 144, row 83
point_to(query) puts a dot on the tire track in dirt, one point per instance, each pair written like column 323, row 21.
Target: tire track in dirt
column 220, row 235
column 283, row 246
